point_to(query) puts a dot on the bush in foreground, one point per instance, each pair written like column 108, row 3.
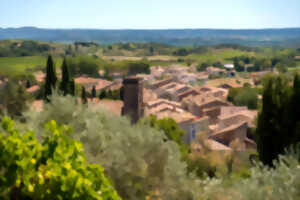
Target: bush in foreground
column 138, row 159
column 281, row 182
column 53, row 169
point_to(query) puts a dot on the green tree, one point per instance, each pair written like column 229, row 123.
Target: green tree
column 239, row 65
column 94, row 93
column 181, row 52
column 83, row 95
column 72, row 87
column 65, row 82
column 267, row 64
column 137, row 159
column 247, row 97
column 14, row 98
column 54, row 168
column 202, row 67
column 278, row 122
column 233, row 92
column 50, row 77
column 109, row 94
column 102, row 94
column 294, row 111
column 122, row 93
column 28, row 85
column 171, row 130
column 88, row 66
column 138, row 67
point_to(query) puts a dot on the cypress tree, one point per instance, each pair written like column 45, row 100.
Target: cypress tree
column 94, row 92
column 83, row 95
column 122, row 93
column 50, row 77
column 65, row 82
column 278, row 121
column 72, row 87
column 28, row 85
column 265, row 125
column 109, row 94
column 295, row 110
column 102, row 94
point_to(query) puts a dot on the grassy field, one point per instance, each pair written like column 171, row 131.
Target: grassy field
column 221, row 55
column 220, row 81
column 17, row 65
column 135, row 58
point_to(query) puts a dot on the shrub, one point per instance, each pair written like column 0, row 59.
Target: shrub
column 243, row 97
column 171, row 130
column 280, row 182
column 136, row 158
column 279, row 120
column 52, row 169
column 247, row 97
column 14, row 98
column 202, row 67
column 84, row 65
column 138, row 67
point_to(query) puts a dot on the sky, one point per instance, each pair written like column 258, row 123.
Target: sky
column 150, row 14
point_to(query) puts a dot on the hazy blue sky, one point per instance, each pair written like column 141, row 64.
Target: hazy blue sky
column 149, row 14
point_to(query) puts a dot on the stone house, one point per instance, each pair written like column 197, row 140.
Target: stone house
column 199, row 104
column 211, row 144
column 89, row 82
column 215, row 71
column 191, row 124
column 187, row 78
column 160, row 83
column 172, row 90
column 187, row 93
column 233, row 133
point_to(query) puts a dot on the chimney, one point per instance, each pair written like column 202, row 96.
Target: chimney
column 133, row 98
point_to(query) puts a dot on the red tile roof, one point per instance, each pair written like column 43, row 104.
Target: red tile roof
column 33, row 89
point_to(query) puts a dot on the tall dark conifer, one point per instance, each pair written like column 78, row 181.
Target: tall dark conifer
column 65, row 80
column 72, row 88
column 28, row 85
column 263, row 125
column 83, row 95
column 50, row 77
column 278, row 123
column 102, row 94
column 94, row 92
column 295, row 110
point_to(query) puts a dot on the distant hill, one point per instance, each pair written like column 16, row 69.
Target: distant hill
column 289, row 37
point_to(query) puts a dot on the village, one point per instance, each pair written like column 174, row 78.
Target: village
column 150, row 100
column 180, row 93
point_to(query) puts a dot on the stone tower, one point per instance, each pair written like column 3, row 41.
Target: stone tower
column 133, row 98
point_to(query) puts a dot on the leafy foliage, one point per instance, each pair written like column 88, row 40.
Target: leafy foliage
column 14, row 98
column 243, row 97
column 247, row 97
column 137, row 158
column 24, row 48
column 50, row 77
column 171, row 129
column 202, row 67
column 94, row 93
column 83, row 65
column 138, row 67
column 110, row 94
column 66, row 84
column 83, row 95
column 53, row 169
column 278, row 122
column 281, row 182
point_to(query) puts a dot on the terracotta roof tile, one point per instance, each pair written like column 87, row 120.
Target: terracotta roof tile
column 33, row 89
